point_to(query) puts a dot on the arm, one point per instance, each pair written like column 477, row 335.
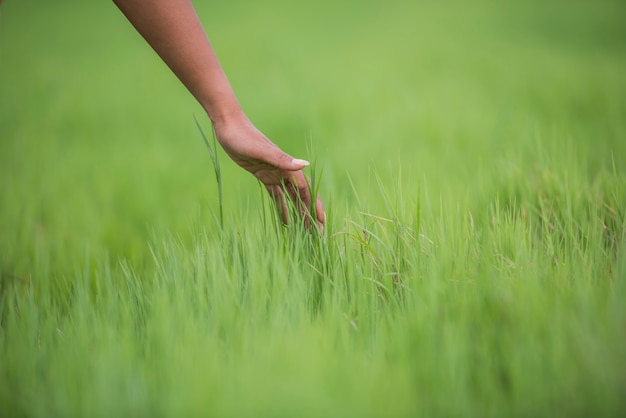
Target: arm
column 173, row 30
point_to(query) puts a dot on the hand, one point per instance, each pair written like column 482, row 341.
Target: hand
column 278, row 171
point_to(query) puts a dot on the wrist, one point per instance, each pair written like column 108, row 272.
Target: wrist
column 227, row 119
column 226, row 116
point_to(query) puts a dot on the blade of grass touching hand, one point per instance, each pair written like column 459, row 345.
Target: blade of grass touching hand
column 216, row 166
column 314, row 183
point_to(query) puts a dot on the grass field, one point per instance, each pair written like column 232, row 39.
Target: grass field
column 472, row 160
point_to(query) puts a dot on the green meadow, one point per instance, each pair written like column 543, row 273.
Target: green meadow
column 471, row 157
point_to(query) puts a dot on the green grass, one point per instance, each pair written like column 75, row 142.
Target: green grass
column 474, row 176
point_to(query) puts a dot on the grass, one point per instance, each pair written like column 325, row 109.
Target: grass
column 216, row 166
column 473, row 262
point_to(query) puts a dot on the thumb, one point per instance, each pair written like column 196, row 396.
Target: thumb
column 286, row 162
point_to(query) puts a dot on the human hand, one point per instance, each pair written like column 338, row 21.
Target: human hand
column 278, row 171
column 174, row 31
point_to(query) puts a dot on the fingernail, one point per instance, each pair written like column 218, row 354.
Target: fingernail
column 300, row 162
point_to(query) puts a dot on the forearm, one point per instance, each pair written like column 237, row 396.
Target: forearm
column 173, row 30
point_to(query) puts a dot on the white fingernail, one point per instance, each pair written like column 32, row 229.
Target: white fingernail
column 300, row 162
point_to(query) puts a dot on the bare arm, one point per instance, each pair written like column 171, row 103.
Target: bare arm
column 174, row 31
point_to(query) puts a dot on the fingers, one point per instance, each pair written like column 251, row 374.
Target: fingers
column 289, row 182
column 279, row 200
column 286, row 162
column 321, row 215
column 301, row 198
column 281, row 160
column 298, row 193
